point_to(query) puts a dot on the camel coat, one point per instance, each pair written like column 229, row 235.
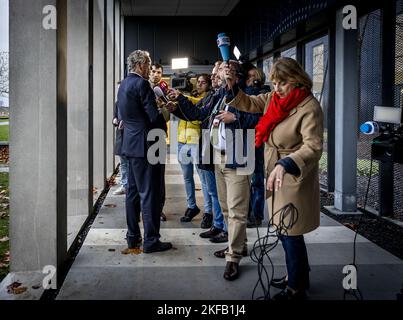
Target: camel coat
column 300, row 137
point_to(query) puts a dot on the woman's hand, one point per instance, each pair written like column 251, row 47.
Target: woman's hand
column 276, row 178
column 173, row 94
column 226, row 117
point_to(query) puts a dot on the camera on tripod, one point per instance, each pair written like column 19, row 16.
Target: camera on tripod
column 388, row 146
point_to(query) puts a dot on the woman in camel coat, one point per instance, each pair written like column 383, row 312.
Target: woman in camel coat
column 292, row 132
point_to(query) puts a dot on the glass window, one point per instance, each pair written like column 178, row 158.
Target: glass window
column 290, row 53
column 267, row 64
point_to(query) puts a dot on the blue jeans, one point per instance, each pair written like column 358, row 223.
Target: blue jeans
column 187, row 156
column 209, row 177
column 296, row 259
column 257, row 198
column 124, row 165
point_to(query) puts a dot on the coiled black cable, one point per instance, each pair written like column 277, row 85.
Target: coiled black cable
column 288, row 216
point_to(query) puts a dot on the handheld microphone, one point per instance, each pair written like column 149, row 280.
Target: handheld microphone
column 223, row 43
column 164, row 86
column 160, row 94
column 369, row 127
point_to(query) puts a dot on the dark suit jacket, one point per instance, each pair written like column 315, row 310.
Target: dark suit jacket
column 138, row 109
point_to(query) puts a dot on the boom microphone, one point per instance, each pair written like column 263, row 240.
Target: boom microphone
column 223, row 43
column 160, row 94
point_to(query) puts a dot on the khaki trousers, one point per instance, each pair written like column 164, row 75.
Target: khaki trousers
column 233, row 195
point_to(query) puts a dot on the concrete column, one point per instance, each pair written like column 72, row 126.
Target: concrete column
column 99, row 96
column 78, row 115
column 346, row 104
column 122, row 47
column 116, row 60
column 110, row 97
column 38, row 135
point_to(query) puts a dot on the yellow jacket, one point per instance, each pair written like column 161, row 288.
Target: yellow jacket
column 189, row 131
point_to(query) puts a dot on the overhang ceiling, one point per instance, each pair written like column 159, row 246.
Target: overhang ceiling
column 178, row 7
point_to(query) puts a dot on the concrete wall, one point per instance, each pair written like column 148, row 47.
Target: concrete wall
column 61, row 137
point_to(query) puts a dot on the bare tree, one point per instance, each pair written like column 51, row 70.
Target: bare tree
column 4, row 90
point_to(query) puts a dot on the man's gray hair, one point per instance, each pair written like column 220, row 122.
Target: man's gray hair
column 137, row 57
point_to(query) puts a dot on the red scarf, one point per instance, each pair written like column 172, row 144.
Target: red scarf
column 277, row 111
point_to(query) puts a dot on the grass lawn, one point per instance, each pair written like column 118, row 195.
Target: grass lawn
column 4, row 133
column 4, row 212
column 4, row 120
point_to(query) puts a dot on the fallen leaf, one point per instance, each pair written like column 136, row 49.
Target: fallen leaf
column 19, row 290
column 110, row 205
column 200, row 259
column 132, row 251
column 4, row 239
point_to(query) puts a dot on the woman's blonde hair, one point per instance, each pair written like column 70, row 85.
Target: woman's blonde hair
column 259, row 75
column 289, row 70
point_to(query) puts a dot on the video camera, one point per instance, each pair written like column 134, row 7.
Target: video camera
column 181, row 81
column 388, row 146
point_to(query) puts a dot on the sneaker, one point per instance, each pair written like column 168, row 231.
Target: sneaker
column 190, row 214
column 221, row 237
column 211, row 233
column 121, row 190
column 207, row 221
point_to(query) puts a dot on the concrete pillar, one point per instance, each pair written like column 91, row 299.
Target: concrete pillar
column 346, row 104
column 122, row 47
column 38, row 135
column 110, row 97
column 78, row 204
column 99, row 98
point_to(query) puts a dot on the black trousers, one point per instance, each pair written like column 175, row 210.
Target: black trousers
column 162, row 186
column 143, row 193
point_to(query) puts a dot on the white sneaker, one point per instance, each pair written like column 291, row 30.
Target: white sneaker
column 119, row 191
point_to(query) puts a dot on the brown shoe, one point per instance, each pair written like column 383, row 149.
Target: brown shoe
column 231, row 271
column 221, row 253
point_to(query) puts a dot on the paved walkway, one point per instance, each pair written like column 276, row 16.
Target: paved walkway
column 101, row 271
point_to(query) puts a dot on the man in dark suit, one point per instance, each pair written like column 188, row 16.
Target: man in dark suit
column 140, row 114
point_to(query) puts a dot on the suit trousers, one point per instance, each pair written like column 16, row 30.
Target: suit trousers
column 233, row 195
column 144, row 187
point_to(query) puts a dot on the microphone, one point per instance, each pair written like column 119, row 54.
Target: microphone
column 160, row 94
column 223, row 43
column 164, row 86
column 369, row 127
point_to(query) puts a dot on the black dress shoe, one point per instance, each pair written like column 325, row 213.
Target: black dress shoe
column 288, row 295
column 221, row 253
column 231, row 271
column 279, row 283
column 160, row 246
column 190, row 214
column 219, row 238
column 211, row 233
column 207, row 221
column 163, row 217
